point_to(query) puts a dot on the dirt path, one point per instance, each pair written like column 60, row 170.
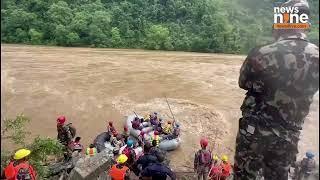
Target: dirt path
column 92, row 86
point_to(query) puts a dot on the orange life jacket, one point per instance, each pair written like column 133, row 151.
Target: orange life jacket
column 118, row 174
column 226, row 169
column 11, row 171
column 91, row 151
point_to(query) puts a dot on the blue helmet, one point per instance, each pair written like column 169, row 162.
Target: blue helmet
column 130, row 143
column 309, row 155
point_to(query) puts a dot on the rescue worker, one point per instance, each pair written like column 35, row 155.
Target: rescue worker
column 125, row 133
column 146, row 159
column 215, row 171
column 91, row 151
column 20, row 169
column 136, row 124
column 168, row 128
column 175, row 134
column 203, row 160
column 120, row 171
column 158, row 170
column 306, row 167
column 76, row 145
column 154, row 119
column 65, row 132
column 155, row 137
column 225, row 168
column 129, row 152
column 111, row 129
column 280, row 79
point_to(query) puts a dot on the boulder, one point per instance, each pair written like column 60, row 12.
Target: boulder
column 89, row 168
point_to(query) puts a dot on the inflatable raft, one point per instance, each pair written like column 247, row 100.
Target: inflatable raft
column 101, row 140
column 167, row 145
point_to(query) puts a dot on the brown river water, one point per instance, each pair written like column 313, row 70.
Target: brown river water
column 92, row 86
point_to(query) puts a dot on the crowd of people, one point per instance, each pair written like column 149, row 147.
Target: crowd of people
column 151, row 164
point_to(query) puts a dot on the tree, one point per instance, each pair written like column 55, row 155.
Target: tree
column 115, row 37
column 157, row 36
column 35, row 36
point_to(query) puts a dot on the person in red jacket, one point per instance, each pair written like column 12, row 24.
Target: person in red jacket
column 20, row 167
column 111, row 129
column 120, row 171
column 225, row 168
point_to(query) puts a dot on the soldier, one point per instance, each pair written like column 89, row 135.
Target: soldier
column 280, row 79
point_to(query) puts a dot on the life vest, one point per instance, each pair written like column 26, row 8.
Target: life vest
column 215, row 172
column 155, row 137
column 167, row 129
column 226, row 169
column 118, row 174
column 21, row 171
column 204, row 158
column 91, row 151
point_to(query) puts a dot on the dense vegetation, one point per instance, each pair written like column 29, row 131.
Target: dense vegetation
column 189, row 25
column 42, row 148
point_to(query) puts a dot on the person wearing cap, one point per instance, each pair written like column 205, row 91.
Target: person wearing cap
column 65, row 131
column 120, row 171
column 225, row 168
column 203, row 160
column 281, row 79
column 20, row 167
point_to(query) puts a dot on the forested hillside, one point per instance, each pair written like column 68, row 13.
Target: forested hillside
column 186, row 25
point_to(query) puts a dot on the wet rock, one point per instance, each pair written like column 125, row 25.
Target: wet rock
column 92, row 168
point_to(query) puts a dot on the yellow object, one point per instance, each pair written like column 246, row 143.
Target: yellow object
column 155, row 137
column 122, row 159
column 215, row 157
column 146, row 118
column 224, row 158
column 21, row 153
column 167, row 129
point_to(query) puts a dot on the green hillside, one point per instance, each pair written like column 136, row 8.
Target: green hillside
column 232, row 26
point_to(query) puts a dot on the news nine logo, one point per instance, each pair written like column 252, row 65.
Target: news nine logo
column 289, row 18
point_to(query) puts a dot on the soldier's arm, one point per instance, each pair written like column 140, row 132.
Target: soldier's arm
column 247, row 70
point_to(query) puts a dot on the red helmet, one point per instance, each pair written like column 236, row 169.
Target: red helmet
column 156, row 133
column 204, row 142
column 61, row 120
column 110, row 123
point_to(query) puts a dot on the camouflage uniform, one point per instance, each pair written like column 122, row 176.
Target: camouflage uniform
column 280, row 79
